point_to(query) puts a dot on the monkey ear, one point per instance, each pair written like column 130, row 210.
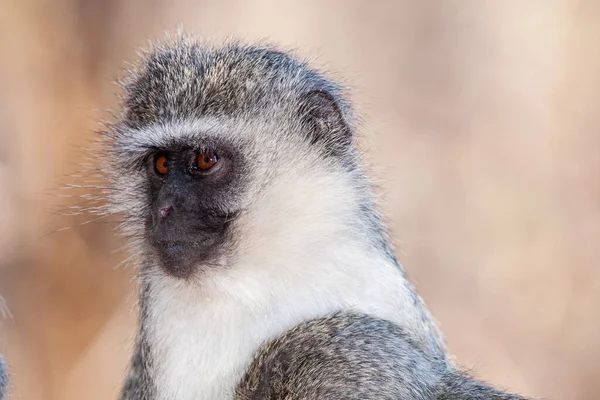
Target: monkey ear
column 324, row 122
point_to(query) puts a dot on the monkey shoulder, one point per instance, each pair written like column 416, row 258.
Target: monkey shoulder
column 346, row 355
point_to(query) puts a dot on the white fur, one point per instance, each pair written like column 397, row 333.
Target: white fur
column 205, row 340
column 302, row 250
column 298, row 259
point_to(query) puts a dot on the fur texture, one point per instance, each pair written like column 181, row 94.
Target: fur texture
column 354, row 356
column 3, row 378
column 304, row 239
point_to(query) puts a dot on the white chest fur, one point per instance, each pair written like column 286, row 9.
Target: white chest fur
column 203, row 338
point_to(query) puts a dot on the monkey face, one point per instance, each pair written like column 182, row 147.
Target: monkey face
column 190, row 191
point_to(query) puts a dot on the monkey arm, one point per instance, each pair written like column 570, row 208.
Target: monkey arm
column 350, row 356
column 457, row 386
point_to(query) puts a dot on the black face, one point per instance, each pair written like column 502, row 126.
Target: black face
column 191, row 205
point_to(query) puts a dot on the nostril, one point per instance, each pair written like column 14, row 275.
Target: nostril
column 165, row 211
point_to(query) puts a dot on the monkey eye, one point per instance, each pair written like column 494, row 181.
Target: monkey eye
column 160, row 165
column 206, row 160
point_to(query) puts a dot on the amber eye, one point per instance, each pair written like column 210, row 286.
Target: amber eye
column 161, row 165
column 206, row 160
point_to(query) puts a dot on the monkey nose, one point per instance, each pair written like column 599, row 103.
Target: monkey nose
column 165, row 211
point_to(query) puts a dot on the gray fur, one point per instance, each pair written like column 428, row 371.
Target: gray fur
column 274, row 112
column 345, row 356
column 3, row 378
column 138, row 383
column 352, row 356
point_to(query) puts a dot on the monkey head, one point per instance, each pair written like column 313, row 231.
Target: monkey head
column 223, row 154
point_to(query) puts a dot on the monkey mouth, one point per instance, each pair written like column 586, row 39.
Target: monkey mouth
column 178, row 245
column 172, row 246
column 182, row 259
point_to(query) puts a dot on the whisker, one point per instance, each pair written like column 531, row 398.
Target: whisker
column 4, row 310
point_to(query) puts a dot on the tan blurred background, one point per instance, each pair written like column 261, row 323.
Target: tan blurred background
column 481, row 122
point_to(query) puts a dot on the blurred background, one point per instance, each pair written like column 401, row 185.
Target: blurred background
column 482, row 124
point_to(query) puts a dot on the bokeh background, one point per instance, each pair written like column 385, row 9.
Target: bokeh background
column 481, row 122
